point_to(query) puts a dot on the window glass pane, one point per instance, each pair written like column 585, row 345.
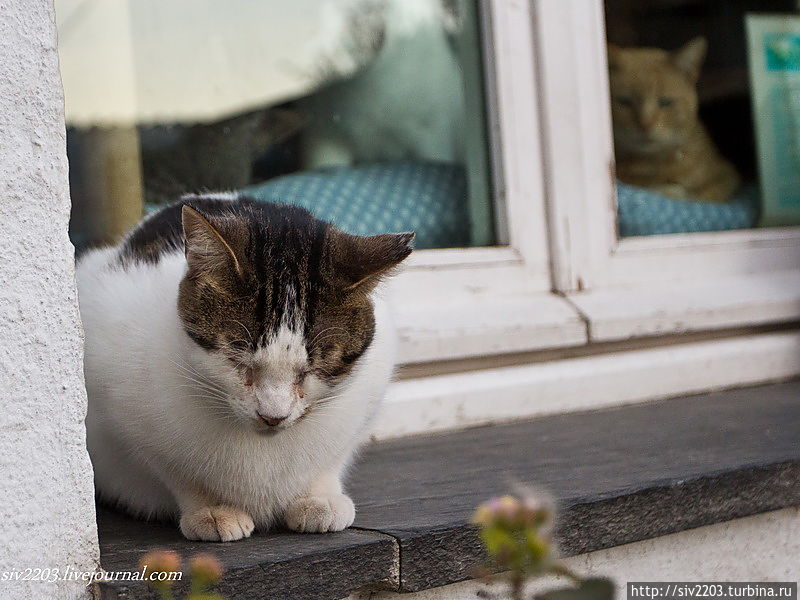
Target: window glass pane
column 368, row 112
column 705, row 100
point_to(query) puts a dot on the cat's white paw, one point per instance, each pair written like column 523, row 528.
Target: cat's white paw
column 318, row 514
column 216, row 524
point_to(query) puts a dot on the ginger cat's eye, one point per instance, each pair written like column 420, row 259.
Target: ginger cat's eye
column 665, row 102
column 624, row 100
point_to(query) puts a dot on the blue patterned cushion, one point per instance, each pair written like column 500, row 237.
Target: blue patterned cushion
column 643, row 212
column 429, row 198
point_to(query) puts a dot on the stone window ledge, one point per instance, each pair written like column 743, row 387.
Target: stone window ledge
column 619, row 475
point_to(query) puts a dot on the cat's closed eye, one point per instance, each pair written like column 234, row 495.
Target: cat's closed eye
column 664, row 102
column 249, row 376
column 624, row 100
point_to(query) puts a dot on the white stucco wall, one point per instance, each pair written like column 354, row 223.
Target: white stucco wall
column 763, row 547
column 46, row 501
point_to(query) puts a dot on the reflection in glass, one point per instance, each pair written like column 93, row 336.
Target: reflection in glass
column 368, row 112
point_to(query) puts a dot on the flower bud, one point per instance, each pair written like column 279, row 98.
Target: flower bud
column 160, row 561
column 206, row 568
column 502, row 510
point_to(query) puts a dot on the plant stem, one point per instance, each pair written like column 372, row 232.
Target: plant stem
column 517, row 586
column 165, row 592
column 561, row 570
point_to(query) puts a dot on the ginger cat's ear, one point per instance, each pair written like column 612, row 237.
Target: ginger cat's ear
column 614, row 53
column 689, row 57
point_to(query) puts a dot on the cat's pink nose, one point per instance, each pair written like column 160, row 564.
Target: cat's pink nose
column 272, row 421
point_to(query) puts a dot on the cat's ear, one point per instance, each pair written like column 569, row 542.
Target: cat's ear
column 689, row 58
column 614, row 53
column 360, row 262
column 208, row 253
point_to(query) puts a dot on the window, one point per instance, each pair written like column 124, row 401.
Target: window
column 370, row 113
column 542, row 263
column 688, row 118
column 589, row 252
column 359, row 109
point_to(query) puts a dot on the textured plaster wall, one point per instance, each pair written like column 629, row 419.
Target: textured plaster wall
column 764, row 547
column 46, row 501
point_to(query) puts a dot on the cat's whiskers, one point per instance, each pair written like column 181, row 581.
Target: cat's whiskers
column 192, row 374
column 232, row 344
column 210, row 393
column 325, row 330
column 186, row 367
column 243, row 326
column 326, row 399
column 213, row 409
column 315, row 340
column 199, row 383
column 320, row 341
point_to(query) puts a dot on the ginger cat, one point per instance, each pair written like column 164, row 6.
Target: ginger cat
column 659, row 141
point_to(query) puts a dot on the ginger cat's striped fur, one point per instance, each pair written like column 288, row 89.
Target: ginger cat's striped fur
column 659, row 140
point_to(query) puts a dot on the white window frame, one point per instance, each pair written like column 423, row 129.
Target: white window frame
column 642, row 285
column 505, row 332
column 465, row 302
column 688, row 286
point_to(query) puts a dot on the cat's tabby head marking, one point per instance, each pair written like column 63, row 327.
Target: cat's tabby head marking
column 653, row 96
column 278, row 300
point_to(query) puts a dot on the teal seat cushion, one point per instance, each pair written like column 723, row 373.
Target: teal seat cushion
column 431, row 199
column 644, row 212
column 428, row 198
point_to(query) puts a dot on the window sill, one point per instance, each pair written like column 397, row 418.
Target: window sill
column 620, row 475
column 451, row 322
column 676, row 307
column 479, row 324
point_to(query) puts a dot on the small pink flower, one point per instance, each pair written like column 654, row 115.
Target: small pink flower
column 160, row 561
column 207, row 568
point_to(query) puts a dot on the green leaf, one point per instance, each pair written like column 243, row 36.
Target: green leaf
column 538, row 548
column 497, row 541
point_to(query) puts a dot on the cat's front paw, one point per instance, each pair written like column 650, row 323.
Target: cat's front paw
column 216, row 524
column 318, row 514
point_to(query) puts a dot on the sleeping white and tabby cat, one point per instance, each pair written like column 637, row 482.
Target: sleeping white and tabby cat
column 236, row 352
